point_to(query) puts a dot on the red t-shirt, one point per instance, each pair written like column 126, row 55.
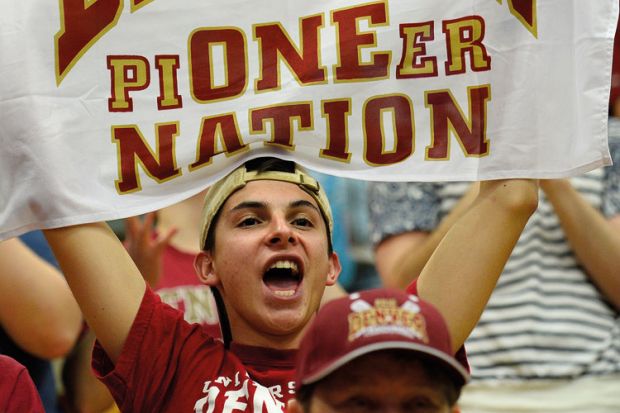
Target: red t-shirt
column 17, row 391
column 170, row 365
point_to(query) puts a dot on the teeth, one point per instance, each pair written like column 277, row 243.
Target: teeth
column 287, row 293
column 285, row 265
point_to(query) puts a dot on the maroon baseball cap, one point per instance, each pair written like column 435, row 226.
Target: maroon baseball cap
column 373, row 320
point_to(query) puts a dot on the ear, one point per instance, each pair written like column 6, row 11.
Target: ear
column 294, row 406
column 205, row 268
column 334, row 269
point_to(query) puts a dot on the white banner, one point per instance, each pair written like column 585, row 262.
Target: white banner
column 111, row 108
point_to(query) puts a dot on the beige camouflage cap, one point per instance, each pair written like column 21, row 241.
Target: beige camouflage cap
column 219, row 192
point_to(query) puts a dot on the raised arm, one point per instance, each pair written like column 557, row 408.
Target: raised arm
column 462, row 272
column 594, row 238
column 104, row 280
column 37, row 309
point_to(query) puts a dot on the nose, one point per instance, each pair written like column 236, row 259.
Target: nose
column 281, row 232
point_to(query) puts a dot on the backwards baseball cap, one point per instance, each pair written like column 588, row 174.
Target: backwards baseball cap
column 218, row 193
column 373, row 320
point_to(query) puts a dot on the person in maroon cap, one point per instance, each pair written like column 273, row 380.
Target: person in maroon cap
column 380, row 350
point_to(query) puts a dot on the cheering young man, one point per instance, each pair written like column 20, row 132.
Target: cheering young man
column 267, row 255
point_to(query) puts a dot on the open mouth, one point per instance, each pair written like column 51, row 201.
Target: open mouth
column 283, row 278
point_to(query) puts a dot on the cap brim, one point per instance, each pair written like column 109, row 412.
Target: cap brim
column 451, row 363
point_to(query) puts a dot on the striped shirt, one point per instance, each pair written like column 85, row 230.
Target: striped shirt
column 545, row 318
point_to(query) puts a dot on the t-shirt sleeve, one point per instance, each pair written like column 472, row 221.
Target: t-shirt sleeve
column 17, row 391
column 611, row 194
column 461, row 354
column 398, row 207
column 25, row 398
column 158, row 350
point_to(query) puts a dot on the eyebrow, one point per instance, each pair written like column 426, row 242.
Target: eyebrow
column 249, row 205
column 304, row 203
column 260, row 205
